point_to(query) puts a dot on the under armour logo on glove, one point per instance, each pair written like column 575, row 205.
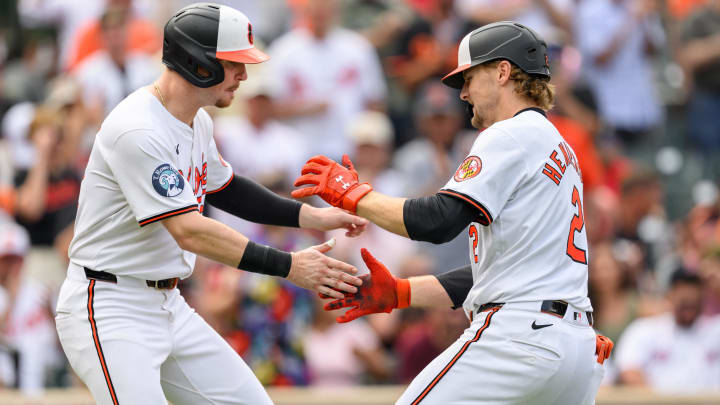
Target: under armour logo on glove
column 344, row 185
column 336, row 184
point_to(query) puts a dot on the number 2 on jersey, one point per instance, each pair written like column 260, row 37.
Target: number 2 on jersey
column 473, row 233
column 577, row 224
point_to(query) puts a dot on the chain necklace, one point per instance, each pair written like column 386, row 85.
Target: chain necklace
column 192, row 147
column 162, row 99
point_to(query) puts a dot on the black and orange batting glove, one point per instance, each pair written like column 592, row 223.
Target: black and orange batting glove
column 335, row 183
column 603, row 348
column 379, row 292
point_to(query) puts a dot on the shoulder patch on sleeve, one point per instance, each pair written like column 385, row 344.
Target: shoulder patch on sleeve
column 167, row 181
column 468, row 169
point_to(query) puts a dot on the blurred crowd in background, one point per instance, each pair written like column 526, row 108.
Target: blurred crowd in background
column 638, row 98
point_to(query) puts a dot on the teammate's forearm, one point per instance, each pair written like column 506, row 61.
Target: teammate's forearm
column 427, row 292
column 384, row 211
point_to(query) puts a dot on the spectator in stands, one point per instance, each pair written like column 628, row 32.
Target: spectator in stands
column 47, row 193
column 614, row 293
column 372, row 135
column 425, row 50
column 112, row 72
column 428, row 161
column 15, row 126
column 322, row 76
column 549, row 18
column 640, row 204
column 143, row 36
column 70, row 18
column 26, row 77
column 263, row 319
column 380, row 22
column 255, row 144
column 258, row 146
column 678, row 351
column 7, row 188
column 617, row 64
column 709, row 271
column 700, row 56
column 700, row 233
column 26, row 323
column 417, row 345
column 340, row 355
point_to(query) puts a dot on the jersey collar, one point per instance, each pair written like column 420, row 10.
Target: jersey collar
column 536, row 109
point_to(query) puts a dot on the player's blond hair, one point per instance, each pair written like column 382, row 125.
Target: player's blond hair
column 534, row 87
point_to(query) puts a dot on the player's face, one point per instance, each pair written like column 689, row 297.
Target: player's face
column 481, row 92
column 234, row 73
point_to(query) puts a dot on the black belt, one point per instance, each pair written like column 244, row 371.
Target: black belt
column 552, row 307
column 166, row 284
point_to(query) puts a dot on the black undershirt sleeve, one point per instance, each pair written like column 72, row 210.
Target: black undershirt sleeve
column 457, row 283
column 253, row 202
column 437, row 218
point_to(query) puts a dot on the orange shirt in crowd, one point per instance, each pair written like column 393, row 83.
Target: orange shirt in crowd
column 681, row 9
column 143, row 37
column 7, row 200
column 593, row 172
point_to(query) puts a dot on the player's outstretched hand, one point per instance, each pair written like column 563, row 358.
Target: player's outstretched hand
column 335, row 183
column 380, row 292
column 329, row 218
column 312, row 270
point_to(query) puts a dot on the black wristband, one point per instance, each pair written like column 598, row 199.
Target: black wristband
column 265, row 260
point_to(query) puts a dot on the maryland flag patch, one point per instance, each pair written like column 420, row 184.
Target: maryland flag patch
column 468, row 169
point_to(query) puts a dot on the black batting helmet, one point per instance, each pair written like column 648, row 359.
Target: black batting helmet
column 501, row 40
column 200, row 34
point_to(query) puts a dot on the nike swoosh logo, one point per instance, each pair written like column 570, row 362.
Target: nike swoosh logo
column 536, row 326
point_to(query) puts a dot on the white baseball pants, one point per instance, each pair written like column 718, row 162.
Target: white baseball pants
column 133, row 344
column 501, row 359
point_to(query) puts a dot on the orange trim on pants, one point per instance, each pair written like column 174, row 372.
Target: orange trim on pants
column 96, row 339
column 444, row 371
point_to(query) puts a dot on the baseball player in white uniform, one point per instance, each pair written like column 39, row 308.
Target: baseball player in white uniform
column 125, row 328
column 518, row 197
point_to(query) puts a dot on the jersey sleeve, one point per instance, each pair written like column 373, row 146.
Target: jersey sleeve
column 146, row 173
column 220, row 173
column 489, row 175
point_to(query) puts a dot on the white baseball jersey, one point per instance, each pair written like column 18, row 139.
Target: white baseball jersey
column 527, row 245
column 145, row 166
column 529, row 242
column 673, row 359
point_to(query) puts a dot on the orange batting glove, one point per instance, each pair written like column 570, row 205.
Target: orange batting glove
column 336, row 184
column 379, row 292
column 603, row 348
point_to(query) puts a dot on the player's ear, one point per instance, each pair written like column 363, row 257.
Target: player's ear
column 503, row 70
